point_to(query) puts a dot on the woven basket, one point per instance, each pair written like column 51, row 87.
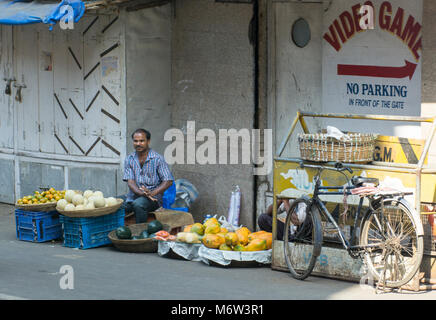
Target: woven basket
column 139, row 245
column 354, row 147
column 37, row 207
column 93, row 212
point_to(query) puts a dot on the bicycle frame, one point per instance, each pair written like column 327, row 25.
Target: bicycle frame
column 322, row 208
column 320, row 190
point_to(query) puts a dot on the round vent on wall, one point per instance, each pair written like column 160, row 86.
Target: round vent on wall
column 300, row 33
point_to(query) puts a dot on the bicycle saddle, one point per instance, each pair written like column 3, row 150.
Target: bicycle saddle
column 358, row 181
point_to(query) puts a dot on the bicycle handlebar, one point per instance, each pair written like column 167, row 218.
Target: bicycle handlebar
column 338, row 167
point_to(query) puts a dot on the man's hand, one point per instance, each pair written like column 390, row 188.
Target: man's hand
column 149, row 194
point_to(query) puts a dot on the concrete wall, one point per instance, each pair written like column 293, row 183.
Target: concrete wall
column 428, row 107
column 148, row 72
column 212, row 84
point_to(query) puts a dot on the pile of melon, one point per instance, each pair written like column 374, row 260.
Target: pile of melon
column 88, row 200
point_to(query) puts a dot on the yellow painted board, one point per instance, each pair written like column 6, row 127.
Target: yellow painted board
column 293, row 182
column 398, row 150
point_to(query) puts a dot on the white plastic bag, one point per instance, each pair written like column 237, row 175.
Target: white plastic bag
column 234, row 208
column 301, row 212
column 225, row 224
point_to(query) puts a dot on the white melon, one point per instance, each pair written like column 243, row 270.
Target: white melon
column 98, row 194
column 90, row 206
column 99, row 202
column 80, row 207
column 61, row 204
column 69, row 194
column 70, row 207
column 111, row 201
column 88, row 193
column 77, row 199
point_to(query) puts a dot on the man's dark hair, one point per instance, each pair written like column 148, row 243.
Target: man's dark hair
column 145, row 132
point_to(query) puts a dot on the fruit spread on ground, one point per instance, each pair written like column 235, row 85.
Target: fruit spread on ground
column 153, row 231
column 214, row 236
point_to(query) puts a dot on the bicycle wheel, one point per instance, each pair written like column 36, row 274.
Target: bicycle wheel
column 302, row 238
column 397, row 252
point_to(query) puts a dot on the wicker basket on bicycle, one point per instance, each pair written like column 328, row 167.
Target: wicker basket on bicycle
column 352, row 147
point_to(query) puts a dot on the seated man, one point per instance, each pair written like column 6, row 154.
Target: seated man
column 147, row 175
column 283, row 206
column 265, row 219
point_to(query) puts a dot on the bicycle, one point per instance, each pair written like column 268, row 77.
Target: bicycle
column 391, row 238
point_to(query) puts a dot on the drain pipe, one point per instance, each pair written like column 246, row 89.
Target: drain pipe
column 255, row 43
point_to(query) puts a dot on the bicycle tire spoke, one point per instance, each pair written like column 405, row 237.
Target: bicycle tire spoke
column 395, row 228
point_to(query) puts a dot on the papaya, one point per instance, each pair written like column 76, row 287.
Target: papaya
column 231, row 239
column 224, row 230
column 263, row 235
column 245, row 229
column 198, row 228
column 223, row 236
column 225, row 247
column 212, row 228
column 212, row 241
column 239, row 247
column 188, row 228
column 253, row 235
column 242, row 234
column 211, row 221
column 256, row 245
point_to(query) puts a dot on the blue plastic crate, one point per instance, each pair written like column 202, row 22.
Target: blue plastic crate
column 37, row 226
column 85, row 233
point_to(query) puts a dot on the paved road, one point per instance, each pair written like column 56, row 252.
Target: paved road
column 32, row 271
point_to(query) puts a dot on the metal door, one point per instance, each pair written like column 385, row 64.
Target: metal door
column 72, row 88
column 6, row 99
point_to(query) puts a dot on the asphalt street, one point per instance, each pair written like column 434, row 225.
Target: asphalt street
column 33, row 271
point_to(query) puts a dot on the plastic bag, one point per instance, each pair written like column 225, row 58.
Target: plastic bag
column 225, row 224
column 234, row 208
column 186, row 193
column 336, row 133
column 169, row 196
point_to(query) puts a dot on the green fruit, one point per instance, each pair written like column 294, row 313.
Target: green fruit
column 225, row 247
column 143, row 235
column 135, row 238
column 123, row 232
column 239, row 247
column 154, row 226
column 151, row 236
column 198, row 228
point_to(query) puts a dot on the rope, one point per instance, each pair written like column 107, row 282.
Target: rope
column 344, row 201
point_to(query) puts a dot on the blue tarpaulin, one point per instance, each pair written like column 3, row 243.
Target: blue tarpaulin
column 16, row 12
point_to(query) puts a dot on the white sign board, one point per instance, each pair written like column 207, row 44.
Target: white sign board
column 372, row 63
